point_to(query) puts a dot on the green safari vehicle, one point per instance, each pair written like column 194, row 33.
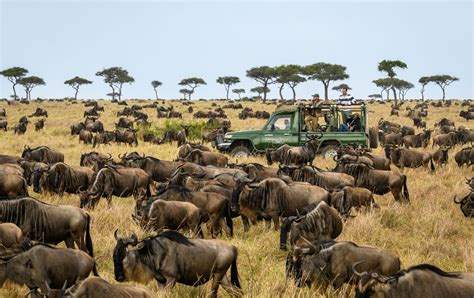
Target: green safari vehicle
column 287, row 126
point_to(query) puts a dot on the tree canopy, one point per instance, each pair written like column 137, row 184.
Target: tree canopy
column 389, row 66
column 402, row 86
column 288, row 75
column 443, row 81
column 155, row 84
column 76, row 83
column 260, row 90
column 14, row 74
column 264, row 75
column 423, row 81
column 192, row 83
column 186, row 92
column 385, row 84
column 341, row 86
column 238, row 91
column 325, row 73
column 375, row 95
column 227, row 82
column 29, row 83
column 115, row 77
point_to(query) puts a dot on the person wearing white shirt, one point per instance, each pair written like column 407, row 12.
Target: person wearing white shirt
column 346, row 99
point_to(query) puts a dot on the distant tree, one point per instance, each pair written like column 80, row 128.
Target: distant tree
column 264, row 75
column 423, row 81
column 238, row 92
column 389, row 66
column 443, row 81
column 260, row 90
column 402, row 86
column 186, row 92
column 156, row 84
column 29, row 83
column 192, row 83
column 325, row 73
column 385, row 84
column 227, row 82
column 76, row 83
column 339, row 87
column 375, row 95
column 115, row 77
column 14, row 75
column 289, row 75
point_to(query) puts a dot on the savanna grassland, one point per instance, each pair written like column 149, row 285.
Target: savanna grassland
column 429, row 229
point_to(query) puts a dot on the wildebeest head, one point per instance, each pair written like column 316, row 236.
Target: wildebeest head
column 120, row 253
column 40, row 177
column 268, row 156
column 311, row 264
column 466, row 204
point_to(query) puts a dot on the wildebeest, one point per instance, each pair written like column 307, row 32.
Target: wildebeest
column 417, row 122
column 441, row 156
column 76, row 128
column 321, row 223
column 42, row 154
column 185, row 149
column 20, row 128
column 127, row 137
column 211, row 136
column 173, row 215
column 467, row 203
column 467, row 115
column 45, row 267
column 39, row 113
column 158, row 170
column 391, row 139
column 214, row 205
column 325, row 179
column 95, row 126
column 105, row 137
column 446, row 139
column 403, row 157
column 4, row 125
column 169, row 258
column 465, row 156
column 207, row 158
column 182, row 136
column 61, row 178
column 91, row 112
column 378, row 181
column 352, row 197
column 3, row 113
column 10, row 235
column 423, row 280
column 334, row 264
column 277, row 155
column 120, row 182
column 49, row 223
column 124, row 123
column 272, row 198
column 39, row 125
column 96, row 287
column 12, row 183
column 94, row 160
column 417, row 141
column 304, row 154
column 85, row 136
column 151, row 138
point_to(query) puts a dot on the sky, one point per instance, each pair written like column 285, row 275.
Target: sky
column 171, row 40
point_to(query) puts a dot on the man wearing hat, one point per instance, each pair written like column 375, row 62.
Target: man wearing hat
column 311, row 120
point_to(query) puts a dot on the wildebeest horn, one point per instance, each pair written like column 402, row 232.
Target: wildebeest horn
column 116, row 235
column 354, row 270
column 64, row 285
column 120, row 157
column 110, row 156
column 47, row 287
column 455, row 201
column 134, row 239
column 311, row 248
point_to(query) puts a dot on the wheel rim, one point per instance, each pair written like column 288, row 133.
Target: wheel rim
column 241, row 154
column 330, row 153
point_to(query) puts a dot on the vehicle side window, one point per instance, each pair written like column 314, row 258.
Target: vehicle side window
column 282, row 122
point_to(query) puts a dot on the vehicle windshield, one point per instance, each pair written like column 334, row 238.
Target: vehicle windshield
column 280, row 122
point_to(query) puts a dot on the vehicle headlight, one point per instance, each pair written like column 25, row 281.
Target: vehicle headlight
column 226, row 137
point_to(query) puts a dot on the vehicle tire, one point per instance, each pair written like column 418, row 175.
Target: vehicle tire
column 373, row 138
column 329, row 151
column 240, row 152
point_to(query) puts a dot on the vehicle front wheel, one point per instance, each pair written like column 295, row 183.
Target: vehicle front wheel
column 240, row 152
column 329, row 151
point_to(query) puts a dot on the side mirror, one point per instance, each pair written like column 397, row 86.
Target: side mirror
column 272, row 127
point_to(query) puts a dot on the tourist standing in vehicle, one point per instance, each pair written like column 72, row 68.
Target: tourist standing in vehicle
column 311, row 120
column 345, row 99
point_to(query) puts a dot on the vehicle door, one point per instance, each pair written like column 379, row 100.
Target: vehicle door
column 281, row 129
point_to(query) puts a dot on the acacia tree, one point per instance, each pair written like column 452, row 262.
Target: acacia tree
column 389, row 66
column 385, row 84
column 14, row 75
column 29, row 83
column 115, row 77
column 289, row 75
column 238, row 91
column 325, row 73
column 227, row 82
column 402, row 86
column 443, row 81
column 340, row 87
column 186, row 92
column 76, row 83
column 264, row 75
column 423, row 81
column 375, row 95
column 192, row 83
column 260, row 90
column 155, row 84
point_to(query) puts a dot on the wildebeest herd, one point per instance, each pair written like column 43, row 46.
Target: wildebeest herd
column 183, row 203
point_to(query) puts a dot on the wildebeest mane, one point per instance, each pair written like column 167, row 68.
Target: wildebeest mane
column 176, row 237
column 427, row 267
column 177, row 188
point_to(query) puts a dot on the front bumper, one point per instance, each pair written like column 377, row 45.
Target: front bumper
column 223, row 147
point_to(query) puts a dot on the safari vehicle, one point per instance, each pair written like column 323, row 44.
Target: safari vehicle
column 287, row 126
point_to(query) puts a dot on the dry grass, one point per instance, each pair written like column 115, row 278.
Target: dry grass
column 430, row 229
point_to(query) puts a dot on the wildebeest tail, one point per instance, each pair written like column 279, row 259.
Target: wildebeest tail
column 405, row 188
column 24, row 189
column 432, row 165
column 89, row 246
column 234, row 274
column 228, row 217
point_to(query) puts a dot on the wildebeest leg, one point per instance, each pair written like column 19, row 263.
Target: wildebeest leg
column 338, row 282
column 245, row 222
column 268, row 224
column 224, row 226
column 69, row 242
column 276, row 222
column 216, row 280
column 215, row 225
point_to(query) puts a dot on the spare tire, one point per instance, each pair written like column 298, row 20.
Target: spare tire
column 373, row 137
